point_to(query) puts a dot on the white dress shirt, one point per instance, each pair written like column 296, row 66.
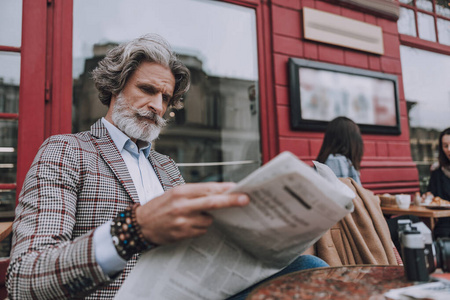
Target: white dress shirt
column 147, row 186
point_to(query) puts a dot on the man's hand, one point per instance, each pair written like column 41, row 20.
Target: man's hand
column 182, row 212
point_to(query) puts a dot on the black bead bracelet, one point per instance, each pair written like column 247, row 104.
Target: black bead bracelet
column 127, row 235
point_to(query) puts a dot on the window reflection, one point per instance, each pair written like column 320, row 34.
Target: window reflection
column 426, row 27
column 215, row 137
column 427, row 92
column 443, row 8
column 425, row 4
column 8, row 165
column 10, row 22
column 406, row 23
column 443, row 27
column 8, row 153
column 9, row 82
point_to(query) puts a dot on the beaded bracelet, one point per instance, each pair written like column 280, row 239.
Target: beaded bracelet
column 127, row 235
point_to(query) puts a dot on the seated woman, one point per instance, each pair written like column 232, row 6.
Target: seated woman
column 342, row 148
column 439, row 184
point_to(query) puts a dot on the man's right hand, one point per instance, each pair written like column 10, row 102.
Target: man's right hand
column 182, row 212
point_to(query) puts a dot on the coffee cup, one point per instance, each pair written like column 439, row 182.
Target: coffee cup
column 403, row 201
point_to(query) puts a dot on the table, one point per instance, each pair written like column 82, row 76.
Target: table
column 348, row 282
column 418, row 211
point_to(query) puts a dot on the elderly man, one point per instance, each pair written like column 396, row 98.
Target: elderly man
column 92, row 201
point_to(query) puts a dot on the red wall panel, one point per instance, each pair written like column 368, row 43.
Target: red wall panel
column 356, row 59
column 381, row 149
column 391, row 45
column 391, row 65
column 331, row 54
column 328, row 7
column 352, row 14
column 287, row 45
column 369, row 149
column 282, row 95
column 310, row 50
column 295, row 4
column 299, row 147
column 281, row 74
column 387, row 165
column 374, row 63
column 286, row 21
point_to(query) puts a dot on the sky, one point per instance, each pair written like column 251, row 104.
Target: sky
column 221, row 34
column 422, row 69
column 10, row 35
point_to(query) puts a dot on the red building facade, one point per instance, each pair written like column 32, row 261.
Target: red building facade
column 253, row 108
column 46, row 81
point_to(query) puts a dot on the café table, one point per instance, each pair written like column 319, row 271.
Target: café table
column 345, row 282
column 420, row 211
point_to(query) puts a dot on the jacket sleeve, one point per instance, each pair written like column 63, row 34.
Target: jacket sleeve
column 46, row 261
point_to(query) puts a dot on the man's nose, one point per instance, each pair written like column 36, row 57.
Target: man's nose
column 156, row 104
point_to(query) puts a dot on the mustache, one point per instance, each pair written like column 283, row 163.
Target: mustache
column 159, row 121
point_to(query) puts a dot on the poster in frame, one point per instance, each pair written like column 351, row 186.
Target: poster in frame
column 320, row 92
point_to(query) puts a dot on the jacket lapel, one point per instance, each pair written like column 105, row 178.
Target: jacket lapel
column 161, row 172
column 111, row 155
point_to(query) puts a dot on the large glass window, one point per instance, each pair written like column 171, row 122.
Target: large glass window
column 10, row 41
column 427, row 92
column 429, row 16
column 216, row 136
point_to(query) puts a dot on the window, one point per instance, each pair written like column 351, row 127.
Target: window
column 10, row 42
column 426, row 19
column 427, row 93
column 216, row 136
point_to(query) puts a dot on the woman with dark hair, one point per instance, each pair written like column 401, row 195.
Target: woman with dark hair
column 439, row 184
column 342, row 148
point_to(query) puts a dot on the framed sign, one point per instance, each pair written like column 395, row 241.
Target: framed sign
column 320, row 92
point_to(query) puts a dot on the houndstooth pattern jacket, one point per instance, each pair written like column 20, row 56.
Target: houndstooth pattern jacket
column 76, row 183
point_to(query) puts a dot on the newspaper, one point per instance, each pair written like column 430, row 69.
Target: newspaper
column 439, row 290
column 291, row 207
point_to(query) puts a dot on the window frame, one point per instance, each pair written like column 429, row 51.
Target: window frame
column 416, row 41
column 45, row 97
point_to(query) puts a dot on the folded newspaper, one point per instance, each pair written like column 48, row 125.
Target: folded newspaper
column 291, row 207
column 439, row 290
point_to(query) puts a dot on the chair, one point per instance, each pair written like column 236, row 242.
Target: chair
column 362, row 237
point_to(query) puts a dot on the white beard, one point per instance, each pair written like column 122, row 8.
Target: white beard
column 136, row 123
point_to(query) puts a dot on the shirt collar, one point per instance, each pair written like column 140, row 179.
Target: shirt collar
column 120, row 139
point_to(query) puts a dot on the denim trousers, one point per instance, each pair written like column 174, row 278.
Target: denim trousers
column 303, row 262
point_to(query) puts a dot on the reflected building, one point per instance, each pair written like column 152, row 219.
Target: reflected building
column 9, row 103
column 424, row 149
column 86, row 107
column 214, row 137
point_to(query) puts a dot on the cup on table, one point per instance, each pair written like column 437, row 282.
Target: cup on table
column 403, row 201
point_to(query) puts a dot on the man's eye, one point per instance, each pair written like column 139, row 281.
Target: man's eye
column 166, row 98
column 148, row 90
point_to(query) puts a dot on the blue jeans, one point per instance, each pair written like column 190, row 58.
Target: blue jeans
column 303, row 262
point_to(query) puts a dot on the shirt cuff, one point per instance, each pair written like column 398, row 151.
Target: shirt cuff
column 105, row 251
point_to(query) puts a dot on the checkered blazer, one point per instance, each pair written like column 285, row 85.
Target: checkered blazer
column 76, row 183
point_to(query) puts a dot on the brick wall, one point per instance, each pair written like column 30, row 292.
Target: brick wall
column 387, row 165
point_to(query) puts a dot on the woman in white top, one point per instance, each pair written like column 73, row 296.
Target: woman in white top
column 342, row 148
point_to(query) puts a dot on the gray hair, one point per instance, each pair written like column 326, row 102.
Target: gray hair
column 120, row 63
